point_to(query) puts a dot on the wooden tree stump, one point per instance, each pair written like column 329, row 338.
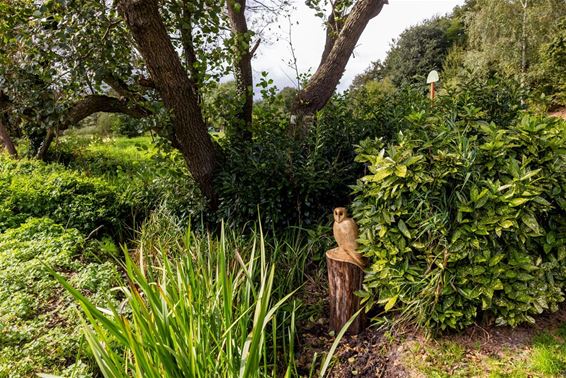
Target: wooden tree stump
column 344, row 279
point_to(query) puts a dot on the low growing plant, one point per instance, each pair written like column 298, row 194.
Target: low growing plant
column 38, row 324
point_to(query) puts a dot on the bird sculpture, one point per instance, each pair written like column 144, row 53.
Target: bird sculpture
column 346, row 235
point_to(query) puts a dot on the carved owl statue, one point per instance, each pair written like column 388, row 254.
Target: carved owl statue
column 346, row 234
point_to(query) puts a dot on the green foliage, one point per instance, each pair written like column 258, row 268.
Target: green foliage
column 463, row 219
column 418, row 50
column 553, row 56
column 492, row 98
column 287, row 182
column 38, row 324
column 378, row 109
column 500, row 30
column 109, row 183
column 35, row 189
column 195, row 306
column 144, row 175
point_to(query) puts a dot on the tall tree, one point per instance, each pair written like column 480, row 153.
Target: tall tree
column 507, row 35
column 176, row 89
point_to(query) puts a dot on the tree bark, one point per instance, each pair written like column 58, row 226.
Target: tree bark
column 323, row 83
column 243, row 64
column 334, row 24
column 5, row 137
column 175, row 88
column 185, row 26
column 89, row 105
column 344, row 279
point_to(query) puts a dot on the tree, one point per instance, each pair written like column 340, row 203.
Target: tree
column 78, row 51
column 51, row 70
column 418, row 50
column 507, row 36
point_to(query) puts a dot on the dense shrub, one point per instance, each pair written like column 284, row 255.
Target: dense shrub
column 39, row 330
column 288, row 182
column 463, row 219
column 295, row 181
column 490, row 98
column 35, row 189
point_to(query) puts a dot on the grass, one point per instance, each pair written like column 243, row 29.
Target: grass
column 543, row 355
column 195, row 306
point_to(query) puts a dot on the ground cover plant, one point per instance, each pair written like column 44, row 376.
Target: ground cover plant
column 463, row 220
column 38, row 320
column 35, row 189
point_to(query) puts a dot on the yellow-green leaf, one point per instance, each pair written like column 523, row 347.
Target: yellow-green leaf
column 401, row 170
column 390, row 303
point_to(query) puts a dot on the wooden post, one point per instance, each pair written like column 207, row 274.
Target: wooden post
column 344, row 279
column 432, row 91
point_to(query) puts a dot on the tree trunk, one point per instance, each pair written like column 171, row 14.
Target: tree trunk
column 323, row 83
column 175, row 88
column 243, row 65
column 525, row 4
column 5, row 137
column 344, row 279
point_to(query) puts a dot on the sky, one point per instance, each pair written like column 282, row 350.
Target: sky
column 308, row 39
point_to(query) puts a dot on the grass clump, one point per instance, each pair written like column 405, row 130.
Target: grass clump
column 195, row 306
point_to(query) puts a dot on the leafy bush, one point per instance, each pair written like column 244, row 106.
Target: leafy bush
column 463, row 219
column 113, row 183
column 490, row 98
column 145, row 176
column 289, row 182
column 38, row 322
column 35, row 189
column 300, row 181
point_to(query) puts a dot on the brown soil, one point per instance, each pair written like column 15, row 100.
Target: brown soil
column 561, row 113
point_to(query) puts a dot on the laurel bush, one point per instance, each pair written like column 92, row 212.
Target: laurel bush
column 463, row 220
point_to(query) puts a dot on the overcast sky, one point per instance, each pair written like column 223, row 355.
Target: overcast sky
column 308, row 39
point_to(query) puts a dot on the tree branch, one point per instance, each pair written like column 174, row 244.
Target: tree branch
column 85, row 107
column 4, row 135
column 323, row 83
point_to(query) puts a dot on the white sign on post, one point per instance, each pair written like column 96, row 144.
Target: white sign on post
column 432, row 77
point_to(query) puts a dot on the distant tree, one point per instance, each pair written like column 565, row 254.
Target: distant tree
column 507, row 35
column 418, row 50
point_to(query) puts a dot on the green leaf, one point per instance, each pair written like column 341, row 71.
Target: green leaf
column 381, row 174
column 403, row 228
column 401, row 170
column 518, row 201
column 391, row 302
column 531, row 222
column 506, row 223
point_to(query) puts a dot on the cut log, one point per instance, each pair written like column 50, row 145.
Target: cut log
column 344, row 279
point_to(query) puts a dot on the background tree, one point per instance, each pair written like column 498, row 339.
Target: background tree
column 507, row 36
column 418, row 50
